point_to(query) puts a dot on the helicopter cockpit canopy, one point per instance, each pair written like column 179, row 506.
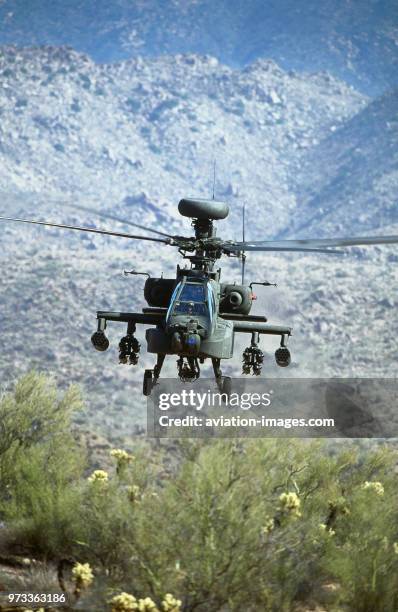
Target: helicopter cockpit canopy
column 192, row 299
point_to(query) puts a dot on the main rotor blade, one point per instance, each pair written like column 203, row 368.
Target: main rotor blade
column 87, row 229
column 321, row 242
column 115, row 218
column 246, row 246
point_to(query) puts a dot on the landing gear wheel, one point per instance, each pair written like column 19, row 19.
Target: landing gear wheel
column 148, row 383
column 227, row 385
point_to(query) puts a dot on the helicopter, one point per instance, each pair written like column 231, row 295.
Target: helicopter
column 194, row 316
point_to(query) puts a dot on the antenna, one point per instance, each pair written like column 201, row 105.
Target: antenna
column 214, row 176
column 243, row 256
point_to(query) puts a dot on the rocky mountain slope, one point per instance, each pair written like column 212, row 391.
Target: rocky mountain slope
column 134, row 137
column 354, row 40
column 148, row 131
column 350, row 179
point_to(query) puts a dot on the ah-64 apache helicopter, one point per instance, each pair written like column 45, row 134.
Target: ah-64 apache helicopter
column 195, row 316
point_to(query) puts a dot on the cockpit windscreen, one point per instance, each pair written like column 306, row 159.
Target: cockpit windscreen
column 190, row 308
column 192, row 300
column 192, row 293
column 195, row 299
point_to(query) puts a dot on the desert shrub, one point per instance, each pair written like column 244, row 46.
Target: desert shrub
column 220, row 532
column 262, row 524
column 40, row 464
column 32, row 413
column 108, row 512
column 228, row 525
column 365, row 556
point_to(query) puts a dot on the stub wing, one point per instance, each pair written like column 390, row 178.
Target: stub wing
column 261, row 328
column 144, row 318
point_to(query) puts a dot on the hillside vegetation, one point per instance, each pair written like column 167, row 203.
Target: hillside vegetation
column 194, row 525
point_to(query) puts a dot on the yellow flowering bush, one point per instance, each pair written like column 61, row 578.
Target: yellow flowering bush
column 268, row 526
column 121, row 456
column 82, row 575
column 147, row 605
column 377, row 487
column 290, row 503
column 124, row 603
column 128, row 603
column 171, row 604
column 99, row 477
column 324, row 528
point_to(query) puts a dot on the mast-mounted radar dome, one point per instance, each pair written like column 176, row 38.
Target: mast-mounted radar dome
column 203, row 209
